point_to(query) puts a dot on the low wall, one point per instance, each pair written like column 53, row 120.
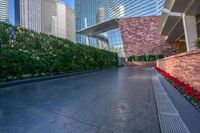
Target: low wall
column 139, row 63
column 185, row 67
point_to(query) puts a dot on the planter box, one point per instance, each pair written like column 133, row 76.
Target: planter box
column 141, row 63
column 184, row 66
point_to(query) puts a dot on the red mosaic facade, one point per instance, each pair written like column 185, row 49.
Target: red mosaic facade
column 141, row 63
column 185, row 67
column 140, row 36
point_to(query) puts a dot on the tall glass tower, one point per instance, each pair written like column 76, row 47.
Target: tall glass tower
column 3, row 10
column 87, row 12
column 28, row 14
column 135, row 8
column 86, row 15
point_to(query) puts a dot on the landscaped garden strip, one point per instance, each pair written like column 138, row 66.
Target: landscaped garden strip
column 197, row 42
column 33, row 54
column 192, row 95
column 145, row 58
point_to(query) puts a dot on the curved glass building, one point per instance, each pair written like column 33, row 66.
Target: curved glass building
column 127, row 8
column 89, row 12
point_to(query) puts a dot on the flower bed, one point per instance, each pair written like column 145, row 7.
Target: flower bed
column 186, row 90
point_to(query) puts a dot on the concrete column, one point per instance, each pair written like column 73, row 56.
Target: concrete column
column 87, row 40
column 190, row 29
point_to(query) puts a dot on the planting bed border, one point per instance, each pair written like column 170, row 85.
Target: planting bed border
column 38, row 79
column 185, row 89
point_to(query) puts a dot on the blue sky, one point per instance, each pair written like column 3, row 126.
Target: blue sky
column 11, row 8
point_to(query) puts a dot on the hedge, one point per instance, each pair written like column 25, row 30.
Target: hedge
column 36, row 54
column 145, row 58
column 197, row 42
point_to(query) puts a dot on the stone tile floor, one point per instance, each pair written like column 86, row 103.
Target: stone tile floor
column 112, row 101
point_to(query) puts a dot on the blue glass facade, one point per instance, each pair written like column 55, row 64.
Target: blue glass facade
column 86, row 14
column 86, row 11
column 127, row 8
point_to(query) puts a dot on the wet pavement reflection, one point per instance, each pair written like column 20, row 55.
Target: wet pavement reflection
column 112, row 101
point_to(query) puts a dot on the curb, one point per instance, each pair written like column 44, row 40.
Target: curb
column 25, row 81
column 169, row 118
column 184, row 107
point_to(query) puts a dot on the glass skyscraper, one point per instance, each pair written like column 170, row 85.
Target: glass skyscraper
column 3, row 10
column 48, row 16
column 28, row 14
column 88, row 10
column 135, row 8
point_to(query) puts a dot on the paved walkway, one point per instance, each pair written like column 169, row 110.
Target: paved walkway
column 113, row 101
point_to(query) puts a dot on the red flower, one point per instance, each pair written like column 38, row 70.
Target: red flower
column 190, row 92
column 186, row 87
column 197, row 98
column 177, row 82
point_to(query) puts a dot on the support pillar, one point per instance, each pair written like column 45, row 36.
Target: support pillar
column 87, row 40
column 190, row 29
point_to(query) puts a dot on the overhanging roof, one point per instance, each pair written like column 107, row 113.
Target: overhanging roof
column 177, row 32
column 171, row 18
column 100, row 28
column 168, row 21
column 182, row 6
column 171, row 27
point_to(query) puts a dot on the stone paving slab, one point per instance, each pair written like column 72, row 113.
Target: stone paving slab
column 113, row 101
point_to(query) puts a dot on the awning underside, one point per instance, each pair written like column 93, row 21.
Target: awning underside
column 172, row 25
column 99, row 28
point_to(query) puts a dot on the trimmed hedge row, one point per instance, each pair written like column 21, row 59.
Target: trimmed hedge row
column 197, row 42
column 35, row 54
column 145, row 58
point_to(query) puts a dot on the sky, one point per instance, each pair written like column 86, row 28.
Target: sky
column 11, row 8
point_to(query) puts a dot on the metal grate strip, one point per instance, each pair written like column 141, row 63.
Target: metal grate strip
column 172, row 124
column 170, row 121
column 166, row 108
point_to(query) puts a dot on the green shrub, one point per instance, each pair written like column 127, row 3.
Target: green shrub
column 145, row 58
column 38, row 53
column 3, row 34
column 197, row 42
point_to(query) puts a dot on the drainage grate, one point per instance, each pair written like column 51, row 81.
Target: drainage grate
column 170, row 121
column 172, row 124
column 166, row 108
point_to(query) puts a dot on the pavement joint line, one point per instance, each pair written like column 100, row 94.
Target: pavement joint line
column 154, row 94
column 88, row 104
column 62, row 115
column 169, row 114
column 102, row 111
column 179, row 125
column 70, row 117
column 148, row 95
column 82, row 122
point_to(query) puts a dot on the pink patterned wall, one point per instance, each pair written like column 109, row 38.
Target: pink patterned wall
column 140, row 36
